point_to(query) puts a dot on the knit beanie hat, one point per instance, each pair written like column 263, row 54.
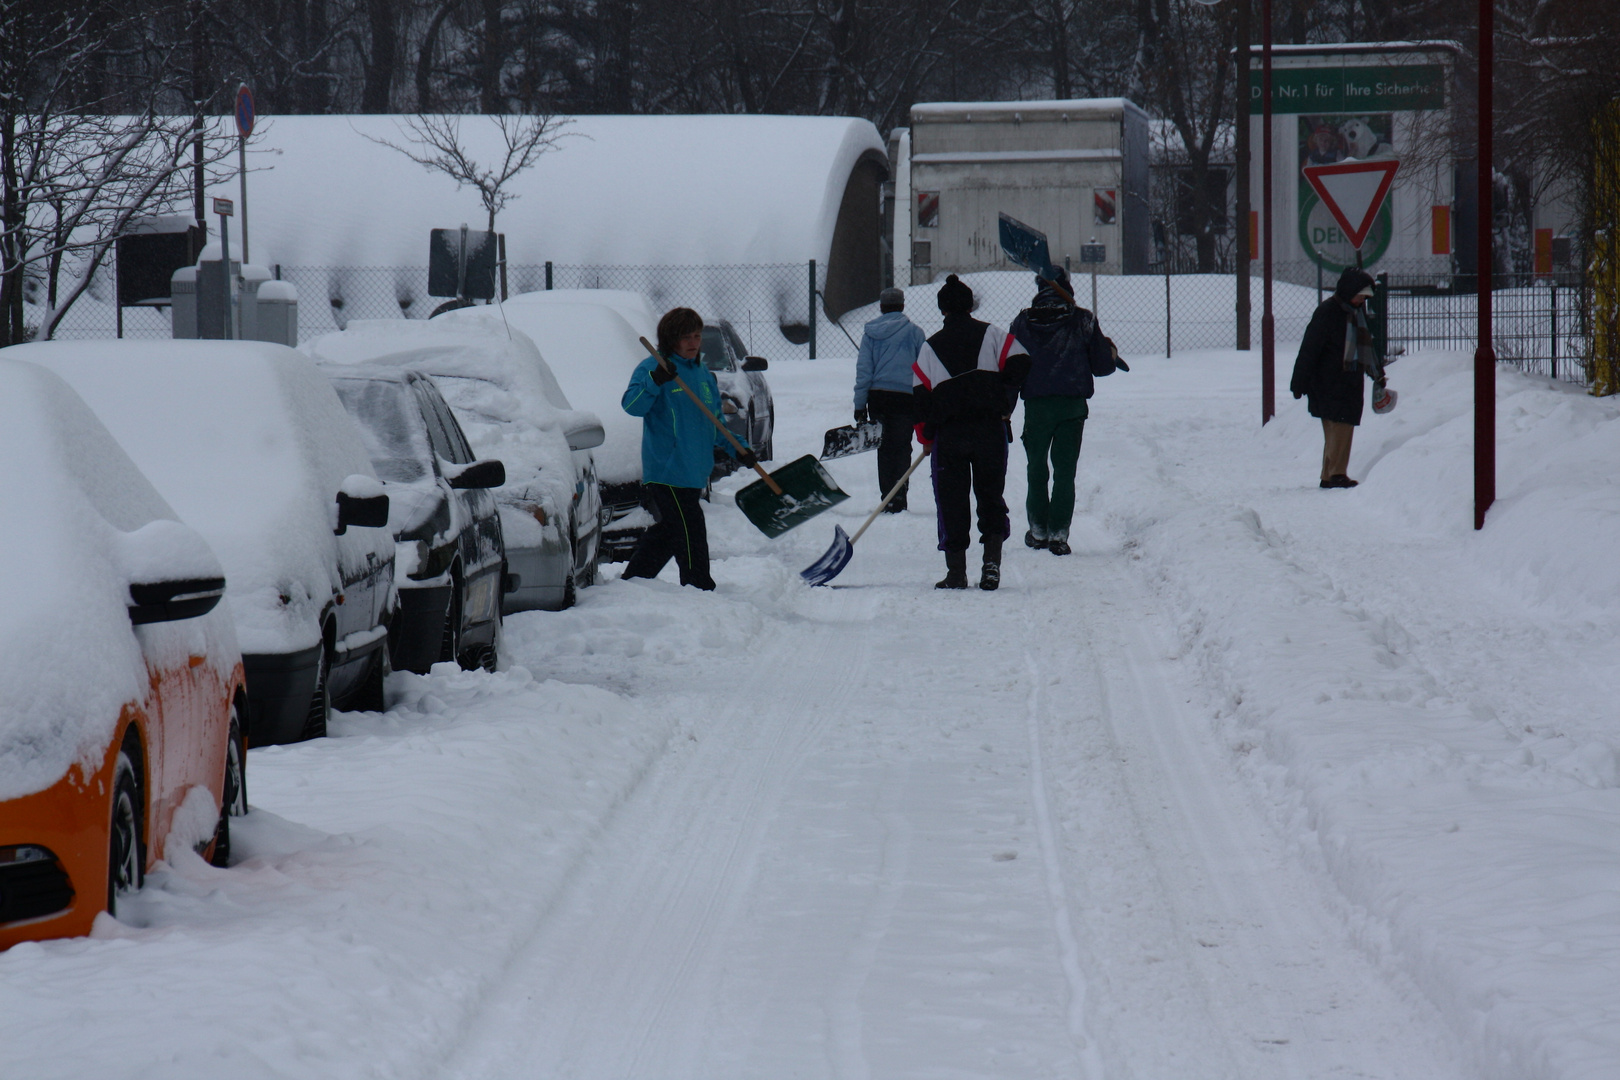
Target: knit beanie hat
column 955, row 298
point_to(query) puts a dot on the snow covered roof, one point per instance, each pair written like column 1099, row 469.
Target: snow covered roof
column 627, row 190
column 1061, row 109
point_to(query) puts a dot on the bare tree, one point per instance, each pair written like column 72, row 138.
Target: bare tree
column 435, row 143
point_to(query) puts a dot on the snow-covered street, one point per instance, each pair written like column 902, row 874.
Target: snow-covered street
column 1263, row 781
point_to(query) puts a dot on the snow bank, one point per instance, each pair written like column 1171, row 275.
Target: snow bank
column 504, row 395
column 81, row 524
column 249, row 442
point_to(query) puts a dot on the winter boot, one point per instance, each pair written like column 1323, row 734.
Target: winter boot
column 990, row 576
column 955, row 571
column 1031, row 540
column 1058, row 543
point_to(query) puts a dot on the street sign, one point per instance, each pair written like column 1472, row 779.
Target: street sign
column 244, row 111
column 1353, row 191
column 224, row 207
column 1093, row 253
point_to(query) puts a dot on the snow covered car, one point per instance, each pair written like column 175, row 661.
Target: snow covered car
column 121, row 687
column 750, row 412
column 449, row 562
column 511, row 409
column 249, row 442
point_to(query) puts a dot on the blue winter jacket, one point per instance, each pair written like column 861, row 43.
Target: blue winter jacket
column 677, row 440
column 889, row 347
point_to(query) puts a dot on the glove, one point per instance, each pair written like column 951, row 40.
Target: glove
column 925, row 433
column 1120, row 363
column 748, row 458
column 663, row 373
column 1298, row 395
column 860, row 416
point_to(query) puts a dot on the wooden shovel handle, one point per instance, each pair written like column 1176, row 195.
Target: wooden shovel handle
column 887, row 499
column 770, row 481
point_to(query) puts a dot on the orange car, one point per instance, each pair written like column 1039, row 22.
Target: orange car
column 121, row 693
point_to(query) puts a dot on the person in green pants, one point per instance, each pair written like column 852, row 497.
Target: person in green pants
column 1067, row 350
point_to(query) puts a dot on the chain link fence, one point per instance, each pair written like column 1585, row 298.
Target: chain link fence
column 1541, row 327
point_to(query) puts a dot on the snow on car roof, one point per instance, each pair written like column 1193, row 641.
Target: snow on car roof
column 496, row 381
column 81, row 523
column 248, row 441
column 592, row 350
column 618, row 189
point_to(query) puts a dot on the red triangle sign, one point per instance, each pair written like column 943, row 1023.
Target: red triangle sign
column 1353, row 191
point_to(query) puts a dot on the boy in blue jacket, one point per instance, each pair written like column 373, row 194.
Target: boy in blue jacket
column 677, row 450
column 889, row 346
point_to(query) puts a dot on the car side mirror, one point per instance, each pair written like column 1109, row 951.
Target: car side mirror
column 167, row 601
column 361, row 502
column 755, row 363
column 586, row 437
column 480, row 474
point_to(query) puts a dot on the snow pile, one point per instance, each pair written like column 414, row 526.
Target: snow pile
column 592, row 345
column 81, row 524
column 249, row 443
column 505, row 398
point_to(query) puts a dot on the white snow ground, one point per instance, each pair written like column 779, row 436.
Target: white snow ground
column 1262, row 782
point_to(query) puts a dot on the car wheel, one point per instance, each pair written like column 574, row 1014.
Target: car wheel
column 320, row 702
column 233, row 797
column 126, row 857
column 450, row 646
column 371, row 698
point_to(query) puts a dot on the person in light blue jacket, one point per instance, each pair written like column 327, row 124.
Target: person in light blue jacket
column 889, row 346
column 677, row 450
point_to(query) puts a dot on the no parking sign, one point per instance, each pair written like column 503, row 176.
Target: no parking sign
column 244, row 111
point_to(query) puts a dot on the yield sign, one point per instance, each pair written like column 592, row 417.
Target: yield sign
column 1353, row 191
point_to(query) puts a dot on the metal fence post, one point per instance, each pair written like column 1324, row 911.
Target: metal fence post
column 812, row 309
column 1552, row 292
column 1380, row 321
column 1167, row 309
column 548, row 275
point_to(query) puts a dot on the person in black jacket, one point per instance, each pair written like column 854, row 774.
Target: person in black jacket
column 1330, row 371
column 966, row 382
column 1066, row 349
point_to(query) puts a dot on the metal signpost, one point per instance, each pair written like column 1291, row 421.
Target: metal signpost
column 1093, row 254
column 225, row 208
column 1485, row 354
column 244, row 127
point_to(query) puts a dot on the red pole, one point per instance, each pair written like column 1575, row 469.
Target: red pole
column 1485, row 355
column 1268, row 325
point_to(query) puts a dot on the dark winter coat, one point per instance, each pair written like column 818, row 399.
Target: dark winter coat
column 1066, row 348
column 1333, row 391
column 970, row 370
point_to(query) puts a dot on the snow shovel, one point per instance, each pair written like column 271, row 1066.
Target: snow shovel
column 851, row 439
column 774, row 506
column 837, row 557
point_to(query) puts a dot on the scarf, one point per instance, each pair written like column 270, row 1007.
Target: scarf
column 1358, row 342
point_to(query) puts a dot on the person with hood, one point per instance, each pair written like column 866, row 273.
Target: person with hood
column 1333, row 358
column 1066, row 349
column 966, row 382
column 677, row 450
column 889, row 346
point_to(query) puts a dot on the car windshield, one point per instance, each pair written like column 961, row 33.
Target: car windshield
column 715, row 356
column 391, row 424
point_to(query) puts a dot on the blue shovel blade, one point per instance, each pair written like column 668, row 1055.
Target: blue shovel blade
column 1025, row 245
column 833, row 562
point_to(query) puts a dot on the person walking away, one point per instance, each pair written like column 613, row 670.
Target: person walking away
column 677, row 450
column 889, row 346
column 1066, row 349
column 1335, row 353
column 966, row 382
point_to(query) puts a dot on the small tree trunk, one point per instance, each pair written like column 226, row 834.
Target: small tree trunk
column 381, row 60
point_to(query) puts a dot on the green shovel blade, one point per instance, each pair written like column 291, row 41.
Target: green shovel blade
column 807, row 490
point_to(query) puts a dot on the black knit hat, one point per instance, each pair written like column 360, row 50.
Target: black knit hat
column 955, row 298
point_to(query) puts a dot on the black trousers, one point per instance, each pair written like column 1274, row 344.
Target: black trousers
column 894, row 411
column 680, row 533
column 970, row 455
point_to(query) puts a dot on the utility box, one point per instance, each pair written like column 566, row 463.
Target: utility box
column 183, row 296
column 216, row 295
column 247, row 301
column 276, row 313
column 1076, row 169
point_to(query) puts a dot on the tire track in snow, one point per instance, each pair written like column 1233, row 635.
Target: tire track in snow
column 619, row 977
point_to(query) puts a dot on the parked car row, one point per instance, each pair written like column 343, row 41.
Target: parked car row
column 377, row 501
